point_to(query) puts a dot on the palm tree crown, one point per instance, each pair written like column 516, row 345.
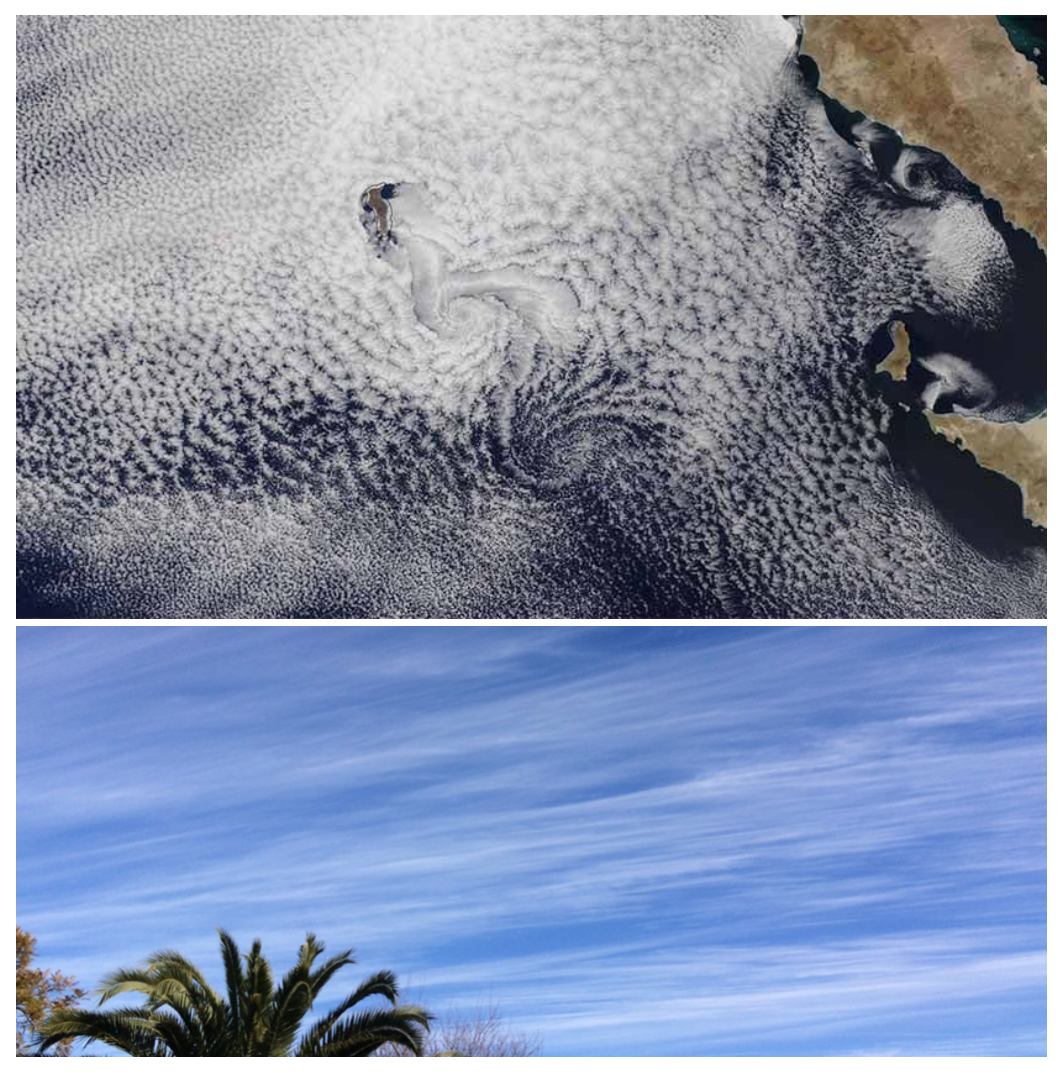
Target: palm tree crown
column 184, row 1017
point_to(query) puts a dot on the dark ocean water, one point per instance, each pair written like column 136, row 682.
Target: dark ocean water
column 1027, row 34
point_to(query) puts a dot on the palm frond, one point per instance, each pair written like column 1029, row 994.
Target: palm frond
column 123, row 981
column 169, row 964
column 179, row 1037
column 183, row 1016
column 364, row 1033
column 292, row 1001
column 171, row 958
column 233, row 969
column 320, row 978
column 167, row 989
column 256, row 1000
column 383, row 983
column 300, row 986
column 310, row 950
column 233, row 981
column 130, row 1029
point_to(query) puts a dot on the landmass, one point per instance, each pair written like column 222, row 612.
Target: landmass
column 1015, row 449
column 953, row 83
column 897, row 362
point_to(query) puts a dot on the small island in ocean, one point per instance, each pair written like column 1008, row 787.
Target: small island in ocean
column 529, row 318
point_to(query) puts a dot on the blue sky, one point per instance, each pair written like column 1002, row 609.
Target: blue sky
column 634, row 840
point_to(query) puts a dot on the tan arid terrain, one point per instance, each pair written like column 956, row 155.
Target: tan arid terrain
column 1015, row 449
column 954, row 83
column 897, row 362
column 951, row 82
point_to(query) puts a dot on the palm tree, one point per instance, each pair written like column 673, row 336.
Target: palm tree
column 185, row 1017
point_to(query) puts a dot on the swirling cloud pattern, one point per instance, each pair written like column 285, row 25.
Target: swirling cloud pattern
column 608, row 362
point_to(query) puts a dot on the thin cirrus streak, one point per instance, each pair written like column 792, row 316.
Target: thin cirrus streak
column 693, row 841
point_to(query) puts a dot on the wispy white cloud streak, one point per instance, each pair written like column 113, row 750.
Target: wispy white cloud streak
column 710, row 840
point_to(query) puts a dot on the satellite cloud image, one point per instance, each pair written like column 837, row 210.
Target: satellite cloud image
column 698, row 317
